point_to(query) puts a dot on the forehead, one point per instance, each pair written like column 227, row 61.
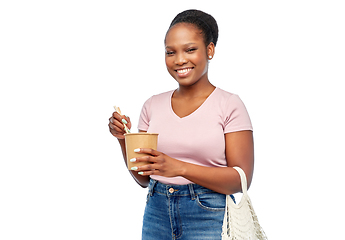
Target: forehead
column 182, row 33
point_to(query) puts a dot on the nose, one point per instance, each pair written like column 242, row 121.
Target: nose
column 180, row 59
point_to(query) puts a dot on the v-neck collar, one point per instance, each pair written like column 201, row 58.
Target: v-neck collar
column 195, row 111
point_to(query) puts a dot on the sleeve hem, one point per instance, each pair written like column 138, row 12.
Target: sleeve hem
column 239, row 129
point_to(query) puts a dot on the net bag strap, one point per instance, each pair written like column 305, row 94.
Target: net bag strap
column 243, row 179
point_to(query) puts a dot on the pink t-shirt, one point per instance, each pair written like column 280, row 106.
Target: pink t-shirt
column 199, row 137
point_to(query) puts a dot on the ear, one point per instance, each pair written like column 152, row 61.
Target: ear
column 210, row 51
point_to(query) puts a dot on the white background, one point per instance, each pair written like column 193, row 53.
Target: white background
column 64, row 64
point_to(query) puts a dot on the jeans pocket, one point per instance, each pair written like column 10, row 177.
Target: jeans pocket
column 212, row 201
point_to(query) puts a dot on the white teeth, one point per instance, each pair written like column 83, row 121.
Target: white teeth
column 184, row 70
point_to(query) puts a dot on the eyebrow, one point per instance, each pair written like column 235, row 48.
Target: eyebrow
column 185, row 45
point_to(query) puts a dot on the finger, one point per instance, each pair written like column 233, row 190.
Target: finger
column 117, row 116
column 118, row 135
column 148, row 158
column 116, row 129
column 129, row 124
column 148, row 173
column 121, row 119
column 146, row 170
column 117, row 123
column 149, row 151
column 147, row 167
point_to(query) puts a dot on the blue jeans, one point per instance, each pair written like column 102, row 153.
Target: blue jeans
column 184, row 212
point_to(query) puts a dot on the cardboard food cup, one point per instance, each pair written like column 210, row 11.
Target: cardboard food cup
column 139, row 140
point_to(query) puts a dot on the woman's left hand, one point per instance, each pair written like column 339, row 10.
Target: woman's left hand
column 161, row 164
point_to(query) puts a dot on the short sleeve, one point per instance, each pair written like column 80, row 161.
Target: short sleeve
column 144, row 119
column 236, row 115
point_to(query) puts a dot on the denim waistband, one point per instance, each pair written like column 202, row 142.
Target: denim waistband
column 177, row 190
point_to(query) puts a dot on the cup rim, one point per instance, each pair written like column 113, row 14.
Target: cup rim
column 141, row 133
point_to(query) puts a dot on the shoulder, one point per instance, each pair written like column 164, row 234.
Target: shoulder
column 230, row 104
column 163, row 95
column 156, row 100
column 223, row 93
column 160, row 96
column 226, row 97
column 233, row 112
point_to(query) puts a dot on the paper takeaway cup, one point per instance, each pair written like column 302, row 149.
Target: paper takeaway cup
column 139, row 140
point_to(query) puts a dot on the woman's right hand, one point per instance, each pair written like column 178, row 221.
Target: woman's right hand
column 116, row 125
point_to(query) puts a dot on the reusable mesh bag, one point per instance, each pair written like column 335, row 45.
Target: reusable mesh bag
column 240, row 221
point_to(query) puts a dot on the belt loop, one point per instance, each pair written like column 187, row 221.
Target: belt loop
column 191, row 190
column 151, row 186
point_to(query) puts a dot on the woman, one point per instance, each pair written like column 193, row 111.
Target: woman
column 204, row 131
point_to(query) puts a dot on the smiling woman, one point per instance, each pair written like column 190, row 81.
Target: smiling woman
column 190, row 39
column 186, row 55
column 204, row 132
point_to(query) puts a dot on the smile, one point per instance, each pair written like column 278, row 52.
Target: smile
column 183, row 72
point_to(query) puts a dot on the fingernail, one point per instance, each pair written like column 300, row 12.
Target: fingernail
column 133, row 160
column 140, row 173
column 134, row 168
column 137, row 150
column 124, row 121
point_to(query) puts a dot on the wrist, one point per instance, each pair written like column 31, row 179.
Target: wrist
column 183, row 169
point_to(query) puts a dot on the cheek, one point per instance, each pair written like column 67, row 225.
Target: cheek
column 199, row 57
column 169, row 65
column 168, row 62
column 200, row 60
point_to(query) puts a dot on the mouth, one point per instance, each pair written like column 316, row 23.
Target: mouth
column 183, row 72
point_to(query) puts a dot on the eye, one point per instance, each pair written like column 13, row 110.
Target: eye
column 169, row 53
column 190, row 50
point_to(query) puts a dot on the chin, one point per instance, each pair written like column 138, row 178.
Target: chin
column 186, row 82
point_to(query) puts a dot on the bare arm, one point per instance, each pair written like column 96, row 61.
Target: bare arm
column 116, row 128
column 239, row 152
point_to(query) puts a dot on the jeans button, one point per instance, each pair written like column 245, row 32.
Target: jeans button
column 171, row 190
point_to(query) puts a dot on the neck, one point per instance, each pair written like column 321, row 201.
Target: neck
column 202, row 88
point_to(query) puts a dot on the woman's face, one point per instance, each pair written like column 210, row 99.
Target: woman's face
column 186, row 55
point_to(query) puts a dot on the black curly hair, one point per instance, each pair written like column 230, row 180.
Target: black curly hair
column 203, row 21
